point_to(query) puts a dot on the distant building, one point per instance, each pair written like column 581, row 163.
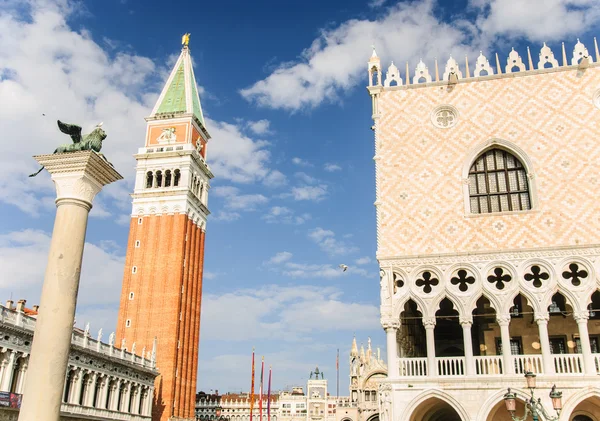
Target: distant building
column 102, row 382
column 208, row 406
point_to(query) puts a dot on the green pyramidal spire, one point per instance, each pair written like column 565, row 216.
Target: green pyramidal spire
column 180, row 94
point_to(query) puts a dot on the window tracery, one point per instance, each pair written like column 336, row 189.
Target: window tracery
column 498, row 183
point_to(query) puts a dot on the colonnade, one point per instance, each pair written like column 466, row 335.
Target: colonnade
column 392, row 327
column 98, row 390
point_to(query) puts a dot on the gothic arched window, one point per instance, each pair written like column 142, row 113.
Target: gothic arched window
column 498, row 183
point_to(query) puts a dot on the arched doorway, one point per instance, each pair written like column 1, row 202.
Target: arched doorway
column 587, row 410
column 435, row 409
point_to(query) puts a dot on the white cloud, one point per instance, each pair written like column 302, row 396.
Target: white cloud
column 23, row 258
column 308, row 179
column 363, row 260
column 329, row 244
column 335, row 62
column 234, row 156
column 284, row 215
column 537, row 20
column 236, row 201
column 209, row 275
column 48, row 68
column 313, row 193
column 260, row 127
column 301, row 162
column 376, row 3
column 332, row 167
column 280, row 257
column 227, row 216
column 275, row 179
column 287, row 313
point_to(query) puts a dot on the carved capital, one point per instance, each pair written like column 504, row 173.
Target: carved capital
column 389, row 323
column 466, row 320
column 78, row 176
column 429, row 322
column 542, row 318
column 581, row 316
column 503, row 319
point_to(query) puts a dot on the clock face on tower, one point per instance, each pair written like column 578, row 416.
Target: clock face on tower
column 317, row 393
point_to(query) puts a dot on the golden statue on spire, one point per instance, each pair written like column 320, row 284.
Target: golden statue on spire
column 185, row 39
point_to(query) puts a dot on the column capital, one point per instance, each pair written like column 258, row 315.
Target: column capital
column 429, row 322
column 78, row 176
column 390, row 323
column 542, row 318
column 466, row 320
column 503, row 319
column 581, row 316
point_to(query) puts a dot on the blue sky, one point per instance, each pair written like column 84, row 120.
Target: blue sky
column 283, row 91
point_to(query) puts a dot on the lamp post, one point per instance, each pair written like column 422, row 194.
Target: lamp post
column 533, row 406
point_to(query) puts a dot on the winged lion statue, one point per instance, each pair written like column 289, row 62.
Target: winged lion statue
column 87, row 142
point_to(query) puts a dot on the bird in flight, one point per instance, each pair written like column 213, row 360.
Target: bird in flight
column 344, row 268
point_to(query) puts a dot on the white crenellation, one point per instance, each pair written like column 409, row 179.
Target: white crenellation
column 452, row 67
column 514, row 64
column 392, row 75
column 514, row 60
column 580, row 52
column 547, row 57
column 421, row 73
column 482, row 65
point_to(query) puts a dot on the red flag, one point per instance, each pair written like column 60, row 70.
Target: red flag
column 262, row 371
column 252, row 387
column 269, row 397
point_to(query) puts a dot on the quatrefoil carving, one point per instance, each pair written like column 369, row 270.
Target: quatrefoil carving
column 427, row 281
column 536, row 275
column 575, row 274
column 499, row 278
column 463, row 279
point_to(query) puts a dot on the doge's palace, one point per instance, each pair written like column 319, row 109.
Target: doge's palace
column 488, row 232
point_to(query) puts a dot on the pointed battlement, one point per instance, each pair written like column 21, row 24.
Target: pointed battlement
column 454, row 72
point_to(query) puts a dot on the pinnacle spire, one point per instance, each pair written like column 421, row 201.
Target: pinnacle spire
column 354, row 350
column 180, row 93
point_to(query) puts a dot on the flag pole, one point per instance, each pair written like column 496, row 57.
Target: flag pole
column 269, row 397
column 252, row 387
column 337, row 367
column 260, row 393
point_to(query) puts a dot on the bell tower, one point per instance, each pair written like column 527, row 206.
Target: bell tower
column 162, row 283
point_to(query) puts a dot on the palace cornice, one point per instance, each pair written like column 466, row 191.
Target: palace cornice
column 89, row 359
column 451, row 258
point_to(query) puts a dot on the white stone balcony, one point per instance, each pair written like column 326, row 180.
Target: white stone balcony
column 493, row 365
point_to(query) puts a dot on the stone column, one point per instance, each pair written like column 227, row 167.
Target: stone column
column 22, row 377
column 77, row 388
column 542, row 321
column 391, row 328
column 466, row 323
column 126, row 400
column 503, row 321
column 9, row 372
column 136, row 400
column 429, row 323
column 78, row 177
column 103, row 392
column 584, row 339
